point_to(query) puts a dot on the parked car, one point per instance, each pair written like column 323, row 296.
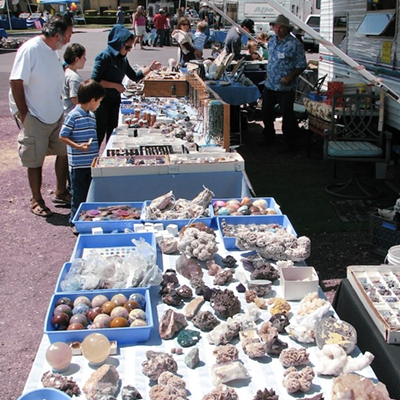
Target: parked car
column 310, row 44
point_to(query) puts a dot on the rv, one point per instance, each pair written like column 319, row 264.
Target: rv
column 368, row 34
column 263, row 14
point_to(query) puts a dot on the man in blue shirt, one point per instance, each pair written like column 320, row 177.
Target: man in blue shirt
column 286, row 61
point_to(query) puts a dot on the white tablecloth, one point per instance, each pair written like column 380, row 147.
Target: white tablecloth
column 266, row 372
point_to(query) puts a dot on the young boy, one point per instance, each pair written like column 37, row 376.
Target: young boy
column 199, row 39
column 79, row 134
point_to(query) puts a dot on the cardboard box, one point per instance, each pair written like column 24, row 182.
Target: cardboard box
column 163, row 87
column 360, row 276
column 297, row 282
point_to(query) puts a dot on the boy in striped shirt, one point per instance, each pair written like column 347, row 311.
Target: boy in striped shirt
column 79, row 134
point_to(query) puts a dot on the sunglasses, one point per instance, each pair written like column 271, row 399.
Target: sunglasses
column 186, row 24
column 128, row 47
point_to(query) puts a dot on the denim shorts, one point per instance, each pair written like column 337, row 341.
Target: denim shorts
column 37, row 140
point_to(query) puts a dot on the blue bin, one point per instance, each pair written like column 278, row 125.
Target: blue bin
column 271, row 203
column 123, row 336
column 110, row 244
column 179, row 222
column 108, row 226
column 229, row 242
column 45, row 393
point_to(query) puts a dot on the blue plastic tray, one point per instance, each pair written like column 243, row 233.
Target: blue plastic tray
column 124, row 336
column 229, row 242
column 179, row 222
column 107, row 226
column 109, row 243
column 271, row 203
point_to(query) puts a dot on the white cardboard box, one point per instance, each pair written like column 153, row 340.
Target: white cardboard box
column 297, row 282
column 355, row 275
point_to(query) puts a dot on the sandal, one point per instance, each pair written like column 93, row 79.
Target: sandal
column 62, row 198
column 38, row 207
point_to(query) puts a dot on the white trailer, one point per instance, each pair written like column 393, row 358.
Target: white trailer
column 368, row 33
column 263, row 14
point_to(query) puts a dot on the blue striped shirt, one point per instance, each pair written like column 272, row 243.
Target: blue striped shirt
column 80, row 126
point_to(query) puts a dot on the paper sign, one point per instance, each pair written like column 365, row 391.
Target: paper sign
column 386, row 52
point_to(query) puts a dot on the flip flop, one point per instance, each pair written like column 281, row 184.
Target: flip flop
column 39, row 208
column 62, row 198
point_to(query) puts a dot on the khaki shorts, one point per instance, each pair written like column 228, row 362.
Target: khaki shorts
column 37, row 140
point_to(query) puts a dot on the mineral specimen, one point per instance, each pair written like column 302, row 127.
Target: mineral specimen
column 266, row 395
column 280, row 306
column 332, row 331
column 103, row 382
column 213, row 267
column 188, row 267
column 171, row 323
column 190, row 309
column 280, row 321
column 205, row 321
column 192, row 358
column 294, row 357
column 172, row 298
column 157, row 363
column 222, row 392
column 168, row 245
column 196, row 243
column 226, row 354
column 130, row 393
column 223, row 277
column 260, row 286
column 252, row 345
column 294, row 380
column 169, row 387
column 350, row 386
column 188, row 337
column 60, row 382
column 333, row 360
column 222, row 373
column 225, row 303
column 229, row 261
column 185, row 292
column 223, row 333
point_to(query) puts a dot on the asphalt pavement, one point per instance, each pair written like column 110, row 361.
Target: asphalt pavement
column 33, row 249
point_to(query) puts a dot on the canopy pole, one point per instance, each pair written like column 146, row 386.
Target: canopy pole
column 216, row 9
column 9, row 16
column 335, row 50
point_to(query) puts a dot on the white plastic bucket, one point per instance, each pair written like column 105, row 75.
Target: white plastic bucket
column 393, row 256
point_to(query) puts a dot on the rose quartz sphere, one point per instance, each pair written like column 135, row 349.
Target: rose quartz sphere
column 59, row 356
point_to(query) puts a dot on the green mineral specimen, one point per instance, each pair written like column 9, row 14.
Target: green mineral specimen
column 187, row 337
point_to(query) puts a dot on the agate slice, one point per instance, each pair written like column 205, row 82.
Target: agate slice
column 332, row 331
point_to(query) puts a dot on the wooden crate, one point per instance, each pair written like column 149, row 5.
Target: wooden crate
column 162, row 87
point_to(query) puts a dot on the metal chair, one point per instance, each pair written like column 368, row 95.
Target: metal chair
column 356, row 137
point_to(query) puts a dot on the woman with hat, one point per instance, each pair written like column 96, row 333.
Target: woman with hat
column 286, row 61
column 139, row 21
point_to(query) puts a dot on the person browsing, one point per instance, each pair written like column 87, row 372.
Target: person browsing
column 182, row 35
column 78, row 132
column 110, row 68
column 199, row 39
column 75, row 58
column 36, row 80
column 286, row 61
column 233, row 41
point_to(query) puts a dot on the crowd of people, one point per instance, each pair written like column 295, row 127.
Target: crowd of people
column 71, row 118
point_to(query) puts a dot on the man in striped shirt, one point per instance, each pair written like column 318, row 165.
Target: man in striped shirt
column 79, row 134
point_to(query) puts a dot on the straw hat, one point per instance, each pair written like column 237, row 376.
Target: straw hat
column 282, row 20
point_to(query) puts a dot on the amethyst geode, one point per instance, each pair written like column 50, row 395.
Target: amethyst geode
column 225, row 303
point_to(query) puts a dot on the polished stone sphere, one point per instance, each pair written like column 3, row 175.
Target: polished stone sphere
column 59, row 356
column 96, row 348
column 103, row 319
column 119, row 312
column 119, row 299
column 99, row 300
column 138, row 297
column 82, row 300
column 119, row 322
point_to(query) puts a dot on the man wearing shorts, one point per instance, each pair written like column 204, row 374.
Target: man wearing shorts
column 36, row 81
